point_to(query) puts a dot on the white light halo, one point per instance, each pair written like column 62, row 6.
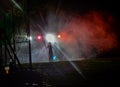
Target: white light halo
column 50, row 38
column 29, row 38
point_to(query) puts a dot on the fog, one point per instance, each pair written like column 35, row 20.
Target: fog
column 82, row 36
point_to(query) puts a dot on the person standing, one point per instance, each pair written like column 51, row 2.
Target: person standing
column 50, row 51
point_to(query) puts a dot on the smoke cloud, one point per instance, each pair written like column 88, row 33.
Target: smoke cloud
column 88, row 35
column 82, row 36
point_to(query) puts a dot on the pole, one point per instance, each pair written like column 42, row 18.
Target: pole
column 28, row 33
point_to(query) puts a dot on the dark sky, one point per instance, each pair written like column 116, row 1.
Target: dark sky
column 71, row 5
column 80, row 6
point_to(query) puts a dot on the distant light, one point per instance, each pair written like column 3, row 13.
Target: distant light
column 39, row 37
column 7, row 68
column 29, row 38
column 59, row 36
column 54, row 57
column 50, row 38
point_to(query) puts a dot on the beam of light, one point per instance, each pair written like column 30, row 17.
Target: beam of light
column 17, row 5
column 41, row 28
column 73, row 64
column 42, row 19
column 58, row 7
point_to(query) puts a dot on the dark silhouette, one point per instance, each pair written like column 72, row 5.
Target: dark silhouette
column 50, row 51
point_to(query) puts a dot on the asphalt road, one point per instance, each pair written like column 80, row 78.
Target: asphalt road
column 63, row 74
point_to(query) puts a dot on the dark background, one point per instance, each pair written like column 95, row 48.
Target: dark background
column 75, row 6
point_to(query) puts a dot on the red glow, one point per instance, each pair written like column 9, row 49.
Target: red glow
column 39, row 37
column 91, row 31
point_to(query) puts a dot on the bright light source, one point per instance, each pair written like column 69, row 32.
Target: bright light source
column 39, row 37
column 30, row 38
column 7, row 68
column 59, row 36
column 50, row 38
column 54, row 57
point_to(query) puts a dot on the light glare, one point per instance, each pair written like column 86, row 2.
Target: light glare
column 50, row 38
column 39, row 37
column 29, row 38
column 59, row 36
